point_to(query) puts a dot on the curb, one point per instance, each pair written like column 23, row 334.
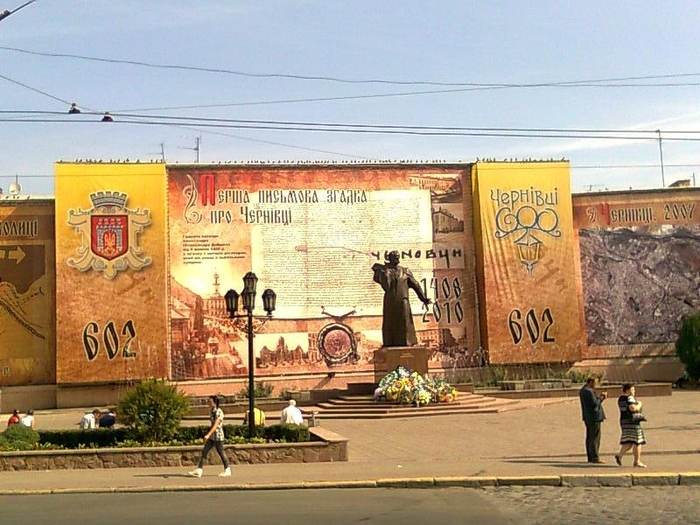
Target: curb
column 647, row 479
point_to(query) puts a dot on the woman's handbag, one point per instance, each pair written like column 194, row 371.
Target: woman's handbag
column 638, row 417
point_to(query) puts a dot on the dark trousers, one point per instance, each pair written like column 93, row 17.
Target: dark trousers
column 592, row 440
column 219, row 448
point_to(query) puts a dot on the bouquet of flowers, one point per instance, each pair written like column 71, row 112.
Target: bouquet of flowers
column 410, row 388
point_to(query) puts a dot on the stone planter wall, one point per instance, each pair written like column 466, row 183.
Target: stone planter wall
column 614, row 390
column 534, row 384
column 326, row 446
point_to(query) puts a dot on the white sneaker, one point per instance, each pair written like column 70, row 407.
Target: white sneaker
column 196, row 473
column 226, row 473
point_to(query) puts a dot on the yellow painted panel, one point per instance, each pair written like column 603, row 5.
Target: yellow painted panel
column 111, row 267
column 530, row 310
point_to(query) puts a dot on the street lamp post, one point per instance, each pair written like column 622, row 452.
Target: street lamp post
column 269, row 297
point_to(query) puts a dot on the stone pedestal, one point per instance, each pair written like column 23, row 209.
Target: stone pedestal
column 387, row 358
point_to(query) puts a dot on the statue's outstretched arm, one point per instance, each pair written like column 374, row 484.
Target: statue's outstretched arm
column 416, row 287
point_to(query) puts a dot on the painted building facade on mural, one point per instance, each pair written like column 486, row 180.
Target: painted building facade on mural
column 639, row 257
column 123, row 277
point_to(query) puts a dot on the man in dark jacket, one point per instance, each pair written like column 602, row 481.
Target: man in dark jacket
column 109, row 419
column 593, row 416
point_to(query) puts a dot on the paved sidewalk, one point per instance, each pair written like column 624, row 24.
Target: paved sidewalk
column 538, row 442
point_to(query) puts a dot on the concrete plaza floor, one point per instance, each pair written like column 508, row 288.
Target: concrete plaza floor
column 534, row 442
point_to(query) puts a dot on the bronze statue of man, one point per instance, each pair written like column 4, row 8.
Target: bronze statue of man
column 395, row 280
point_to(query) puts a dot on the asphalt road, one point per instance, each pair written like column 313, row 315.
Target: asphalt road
column 302, row 507
column 491, row 506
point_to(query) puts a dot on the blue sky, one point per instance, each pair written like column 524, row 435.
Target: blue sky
column 506, row 54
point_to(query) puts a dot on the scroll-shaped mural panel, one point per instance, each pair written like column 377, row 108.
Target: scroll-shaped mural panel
column 312, row 234
column 528, row 296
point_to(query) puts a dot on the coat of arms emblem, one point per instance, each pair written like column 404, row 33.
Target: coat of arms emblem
column 109, row 234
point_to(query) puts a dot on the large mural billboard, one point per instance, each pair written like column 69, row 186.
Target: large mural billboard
column 312, row 235
column 640, row 256
column 111, row 268
column 123, row 276
column 529, row 305
column 27, row 299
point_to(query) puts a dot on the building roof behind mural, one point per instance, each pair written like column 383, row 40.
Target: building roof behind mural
column 14, row 199
column 646, row 191
column 14, row 194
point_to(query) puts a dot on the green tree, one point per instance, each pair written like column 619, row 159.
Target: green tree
column 688, row 345
column 153, row 410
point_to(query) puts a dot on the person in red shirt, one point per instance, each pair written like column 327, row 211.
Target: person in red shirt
column 14, row 418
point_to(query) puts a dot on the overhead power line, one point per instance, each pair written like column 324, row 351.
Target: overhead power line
column 300, row 100
column 249, row 139
column 273, row 125
column 464, row 86
column 26, row 86
column 601, row 82
column 372, row 96
column 7, row 13
column 273, row 143
column 402, row 127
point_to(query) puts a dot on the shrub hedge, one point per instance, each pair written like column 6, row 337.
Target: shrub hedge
column 97, row 438
column 105, row 438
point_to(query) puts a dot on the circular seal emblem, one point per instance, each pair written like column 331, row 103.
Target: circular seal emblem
column 337, row 344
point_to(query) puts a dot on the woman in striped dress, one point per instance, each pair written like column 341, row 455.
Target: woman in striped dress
column 632, row 433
